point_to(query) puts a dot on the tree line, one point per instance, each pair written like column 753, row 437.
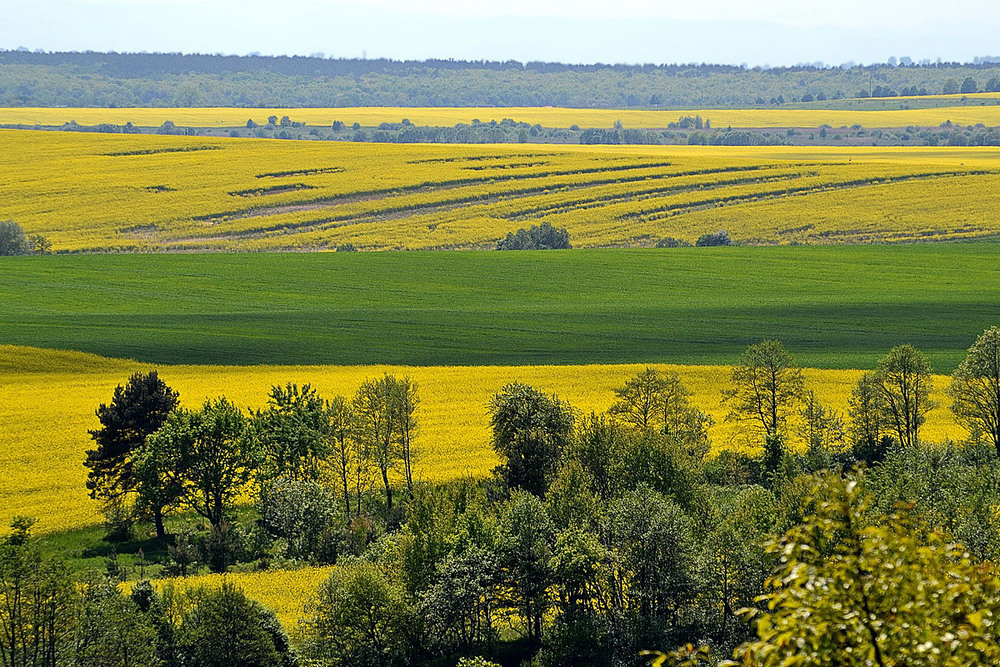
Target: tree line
column 596, row 537
column 166, row 80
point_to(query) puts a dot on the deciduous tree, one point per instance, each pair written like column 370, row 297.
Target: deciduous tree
column 530, row 431
column 904, row 380
column 855, row 589
column 766, row 386
column 975, row 387
column 291, row 431
column 201, row 458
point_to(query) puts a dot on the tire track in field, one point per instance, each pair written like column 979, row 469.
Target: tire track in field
column 323, row 202
column 406, row 210
column 673, row 210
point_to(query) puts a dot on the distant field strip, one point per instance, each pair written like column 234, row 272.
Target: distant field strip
column 988, row 113
column 834, row 306
column 48, row 400
column 124, row 192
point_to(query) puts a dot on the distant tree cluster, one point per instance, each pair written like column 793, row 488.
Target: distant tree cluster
column 718, row 238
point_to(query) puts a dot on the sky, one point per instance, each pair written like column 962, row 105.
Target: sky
column 751, row 32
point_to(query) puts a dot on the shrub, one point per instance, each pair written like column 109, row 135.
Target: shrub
column 671, row 242
column 538, row 237
column 13, row 240
column 720, row 237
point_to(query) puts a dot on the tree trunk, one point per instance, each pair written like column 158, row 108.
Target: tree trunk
column 158, row 522
column 388, row 489
column 347, row 496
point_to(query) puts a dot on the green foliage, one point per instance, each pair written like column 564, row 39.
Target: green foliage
column 113, row 632
column 671, row 242
column 873, row 590
column 537, row 237
column 291, row 430
column 718, row 238
column 460, row 605
column 198, row 459
column 37, row 602
column 13, row 240
column 530, row 431
column 136, row 411
column 355, row 618
column 227, row 628
column 975, row 387
column 663, row 463
column 868, row 419
column 298, row 512
column 654, row 400
column 386, row 424
column 125, row 80
column 904, row 381
column 766, row 387
column 733, row 562
column 342, row 432
column 526, row 542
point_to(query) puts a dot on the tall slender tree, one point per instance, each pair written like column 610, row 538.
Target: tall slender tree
column 904, row 380
column 342, row 435
column 379, row 427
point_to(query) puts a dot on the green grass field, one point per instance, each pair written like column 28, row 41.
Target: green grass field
column 834, row 307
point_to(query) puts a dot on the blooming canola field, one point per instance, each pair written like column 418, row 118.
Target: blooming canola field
column 49, row 398
column 986, row 112
column 98, row 192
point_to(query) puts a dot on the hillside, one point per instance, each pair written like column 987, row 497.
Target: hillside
column 96, row 192
column 835, row 307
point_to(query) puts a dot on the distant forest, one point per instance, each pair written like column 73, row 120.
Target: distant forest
column 175, row 80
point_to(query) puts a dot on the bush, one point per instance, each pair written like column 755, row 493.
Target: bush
column 720, row 237
column 228, row 628
column 538, row 237
column 671, row 242
column 13, row 240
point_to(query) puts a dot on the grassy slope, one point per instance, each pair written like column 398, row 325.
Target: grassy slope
column 835, row 307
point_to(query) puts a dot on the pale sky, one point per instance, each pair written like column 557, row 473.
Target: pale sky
column 761, row 32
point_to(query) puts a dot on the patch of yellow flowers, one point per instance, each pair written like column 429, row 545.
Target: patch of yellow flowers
column 48, row 400
column 988, row 113
column 126, row 192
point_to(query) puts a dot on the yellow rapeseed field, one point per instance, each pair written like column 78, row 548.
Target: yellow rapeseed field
column 47, row 403
column 126, row 192
column 988, row 113
column 284, row 592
